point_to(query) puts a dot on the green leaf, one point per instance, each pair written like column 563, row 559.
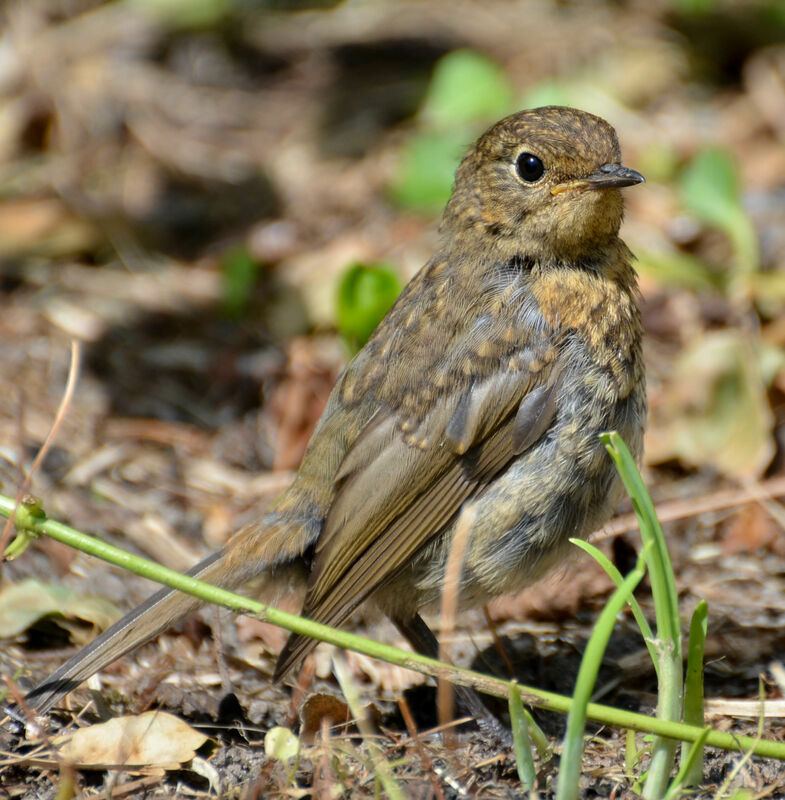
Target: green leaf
column 710, row 190
column 186, row 13
column 365, row 294
column 659, row 161
column 239, row 273
column 772, row 361
column 548, row 93
column 768, row 289
column 695, row 7
column 693, row 697
column 678, row 269
column 428, row 164
column 467, row 91
column 466, row 87
column 521, row 740
column 710, row 187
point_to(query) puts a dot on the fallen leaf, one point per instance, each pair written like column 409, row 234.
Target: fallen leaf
column 43, row 226
column 749, row 530
column 298, row 402
column 152, row 739
column 713, row 410
column 23, row 604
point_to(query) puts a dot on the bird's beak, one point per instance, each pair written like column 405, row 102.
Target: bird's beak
column 607, row 176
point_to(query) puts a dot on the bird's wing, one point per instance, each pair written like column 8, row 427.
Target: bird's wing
column 399, row 488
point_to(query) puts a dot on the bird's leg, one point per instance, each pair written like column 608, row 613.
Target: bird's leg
column 422, row 639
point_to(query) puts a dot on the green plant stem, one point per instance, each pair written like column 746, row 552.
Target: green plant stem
column 631, row 756
column 693, row 756
column 616, row 576
column 666, row 607
column 521, row 741
column 693, row 692
column 38, row 524
column 572, row 753
column 381, row 767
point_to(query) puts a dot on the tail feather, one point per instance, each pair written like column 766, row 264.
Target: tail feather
column 140, row 625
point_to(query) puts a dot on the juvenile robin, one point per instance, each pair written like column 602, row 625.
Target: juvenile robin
column 489, row 381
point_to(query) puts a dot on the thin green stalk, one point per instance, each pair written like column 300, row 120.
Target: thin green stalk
column 616, row 576
column 521, row 740
column 540, row 740
column 692, row 756
column 381, row 768
column 666, row 608
column 631, row 756
column 693, row 689
column 741, row 763
column 37, row 524
column 572, row 752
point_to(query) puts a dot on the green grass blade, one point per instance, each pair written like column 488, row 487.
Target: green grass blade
column 693, row 689
column 693, row 756
column 381, row 767
column 660, row 570
column 570, row 765
column 521, row 740
column 616, row 576
column 540, row 740
column 666, row 609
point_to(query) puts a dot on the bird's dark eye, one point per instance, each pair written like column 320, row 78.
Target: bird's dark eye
column 529, row 167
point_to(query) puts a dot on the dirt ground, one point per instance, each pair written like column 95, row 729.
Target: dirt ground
column 148, row 151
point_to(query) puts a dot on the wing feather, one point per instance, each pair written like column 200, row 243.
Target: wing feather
column 392, row 519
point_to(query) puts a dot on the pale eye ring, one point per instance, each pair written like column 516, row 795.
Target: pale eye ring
column 529, row 167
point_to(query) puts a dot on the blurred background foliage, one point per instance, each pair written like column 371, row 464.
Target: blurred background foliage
column 276, row 170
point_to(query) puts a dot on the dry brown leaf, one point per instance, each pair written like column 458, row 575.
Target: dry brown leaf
column 42, row 226
column 298, row 402
column 152, row 739
column 749, row 529
column 23, row 604
column 713, row 409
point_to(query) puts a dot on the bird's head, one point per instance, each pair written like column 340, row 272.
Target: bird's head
column 542, row 183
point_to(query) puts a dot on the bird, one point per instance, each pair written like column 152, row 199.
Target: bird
column 488, row 382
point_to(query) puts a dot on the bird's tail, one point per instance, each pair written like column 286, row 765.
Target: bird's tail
column 145, row 622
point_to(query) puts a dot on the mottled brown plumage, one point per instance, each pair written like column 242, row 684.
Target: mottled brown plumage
column 489, row 380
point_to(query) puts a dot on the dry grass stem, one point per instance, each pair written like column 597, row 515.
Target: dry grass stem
column 62, row 409
column 450, row 601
